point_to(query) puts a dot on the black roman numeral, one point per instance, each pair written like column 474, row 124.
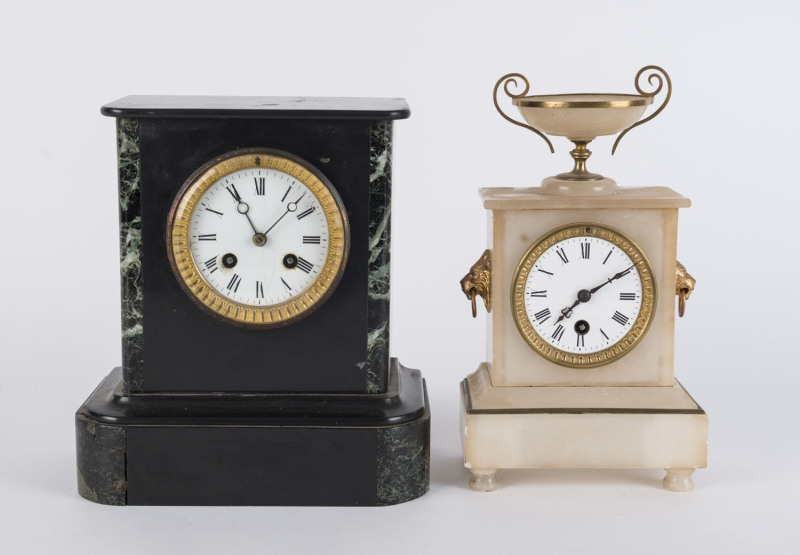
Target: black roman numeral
column 562, row 255
column 304, row 264
column 311, row 239
column 542, row 316
column 627, row 296
column 259, row 290
column 604, row 334
column 607, row 257
column 214, row 211
column 559, row 331
column 286, row 194
column 620, row 318
column 304, row 214
column 544, row 272
column 289, row 287
column 541, row 294
column 233, row 284
column 580, row 341
column 585, row 247
column 234, row 193
column 260, row 185
column 208, row 237
column 211, row 265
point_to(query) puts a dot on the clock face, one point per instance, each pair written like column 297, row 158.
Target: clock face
column 583, row 295
column 258, row 237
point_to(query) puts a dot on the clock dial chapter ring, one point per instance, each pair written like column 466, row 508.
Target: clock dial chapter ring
column 631, row 261
column 221, row 298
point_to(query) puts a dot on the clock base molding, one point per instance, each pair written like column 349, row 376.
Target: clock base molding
column 580, row 427
column 255, row 449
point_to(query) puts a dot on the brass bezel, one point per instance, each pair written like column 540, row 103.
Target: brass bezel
column 629, row 340
column 200, row 291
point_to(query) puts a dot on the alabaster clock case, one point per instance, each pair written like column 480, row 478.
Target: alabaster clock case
column 580, row 281
column 631, row 342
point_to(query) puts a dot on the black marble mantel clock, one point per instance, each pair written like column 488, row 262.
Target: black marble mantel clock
column 255, row 311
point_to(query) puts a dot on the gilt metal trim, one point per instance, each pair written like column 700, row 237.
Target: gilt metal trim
column 650, row 79
column 478, row 282
column 684, row 285
column 505, row 80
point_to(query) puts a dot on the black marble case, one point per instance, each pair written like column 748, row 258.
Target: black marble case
column 315, row 411
column 168, row 343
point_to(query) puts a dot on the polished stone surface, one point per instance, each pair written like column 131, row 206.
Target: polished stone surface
column 403, row 462
column 302, row 449
column 130, row 230
column 380, row 207
column 580, row 427
column 230, row 416
column 251, row 107
column 101, row 461
column 533, row 198
column 519, row 217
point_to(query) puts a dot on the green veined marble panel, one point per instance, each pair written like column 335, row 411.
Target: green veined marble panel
column 101, row 461
column 130, row 237
column 380, row 193
column 404, row 462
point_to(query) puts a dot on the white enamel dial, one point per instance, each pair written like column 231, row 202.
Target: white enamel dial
column 222, row 238
column 583, row 295
column 554, row 285
column 258, row 237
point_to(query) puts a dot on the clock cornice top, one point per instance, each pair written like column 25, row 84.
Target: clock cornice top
column 257, row 107
column 531, row 198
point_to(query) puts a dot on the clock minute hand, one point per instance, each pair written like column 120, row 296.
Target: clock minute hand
column 618, row 275
column 585, row 295
column 291, row 207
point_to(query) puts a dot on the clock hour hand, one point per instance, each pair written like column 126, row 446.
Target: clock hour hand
column 567, row 312
column 291, row 207
column 583, row 297
column 241, row 206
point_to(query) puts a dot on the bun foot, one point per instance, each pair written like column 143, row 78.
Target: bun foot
column 483, row 480
column 679, row 479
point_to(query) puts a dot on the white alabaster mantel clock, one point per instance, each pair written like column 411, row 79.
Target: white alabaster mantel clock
column 581, row 281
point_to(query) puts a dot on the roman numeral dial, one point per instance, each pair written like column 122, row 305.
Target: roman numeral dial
column 583, row 295
column 258, row 238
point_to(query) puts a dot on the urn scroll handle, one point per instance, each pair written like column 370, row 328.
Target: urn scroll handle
column 511, row 79
column 478, row 282
column 658, row 76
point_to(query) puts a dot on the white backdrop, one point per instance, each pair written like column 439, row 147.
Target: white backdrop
column 726, row 140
